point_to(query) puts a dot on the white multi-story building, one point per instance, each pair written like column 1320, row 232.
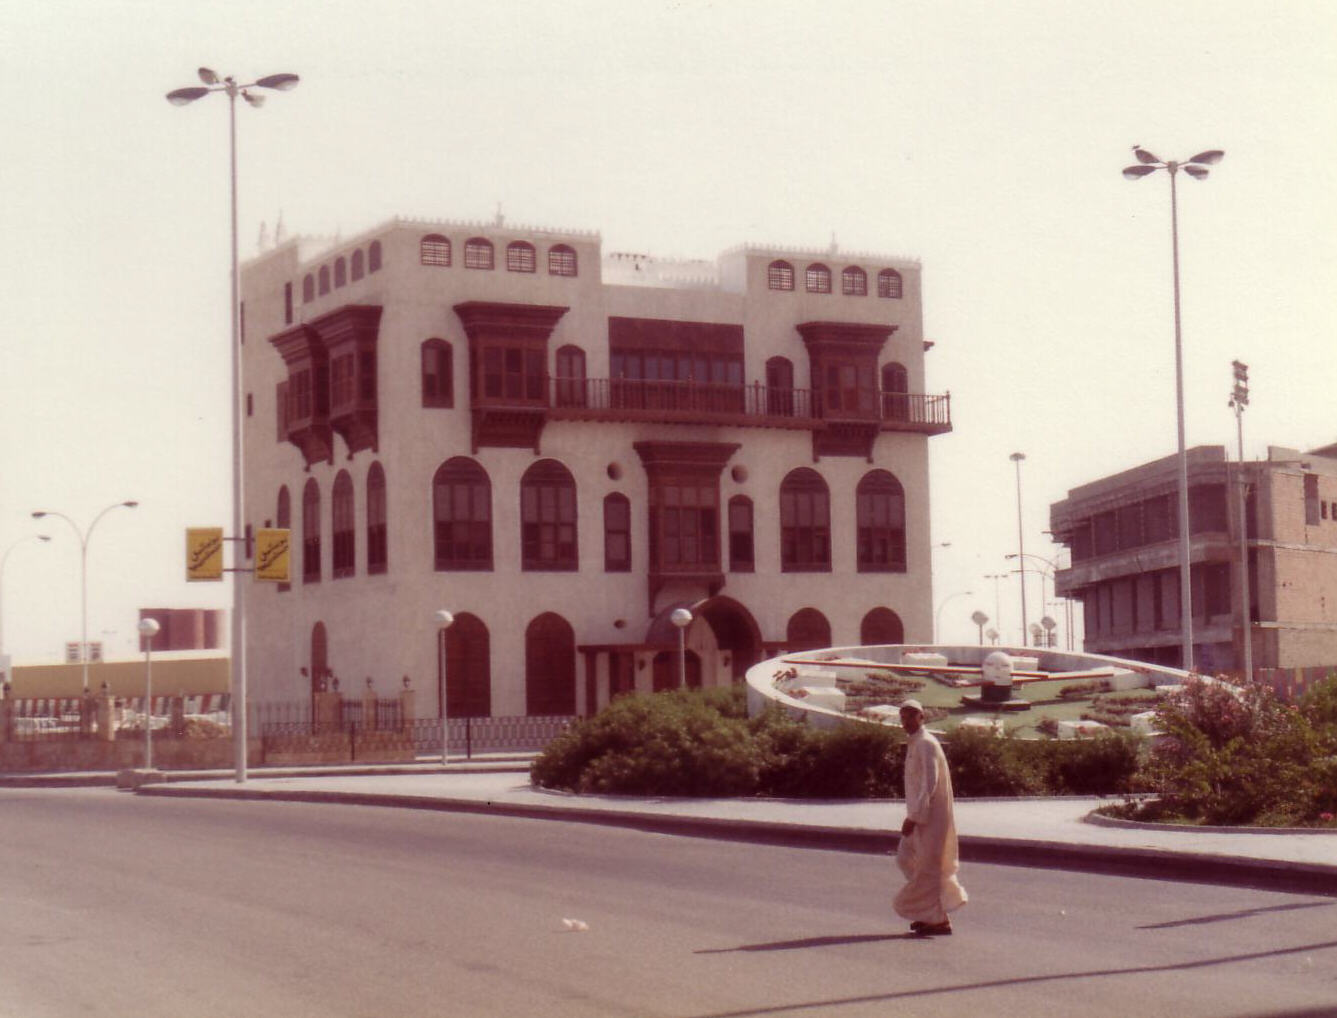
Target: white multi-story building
column 561, row 447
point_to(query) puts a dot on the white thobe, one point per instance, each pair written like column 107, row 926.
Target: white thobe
column 928, row 855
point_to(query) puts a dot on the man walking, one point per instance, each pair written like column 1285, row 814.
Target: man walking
column 927, row 854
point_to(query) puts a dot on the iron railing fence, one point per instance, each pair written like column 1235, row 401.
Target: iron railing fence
column 469, row 736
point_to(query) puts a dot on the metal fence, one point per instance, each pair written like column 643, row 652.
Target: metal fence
column 468, row 736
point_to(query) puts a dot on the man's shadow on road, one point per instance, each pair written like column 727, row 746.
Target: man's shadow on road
column 832, row 941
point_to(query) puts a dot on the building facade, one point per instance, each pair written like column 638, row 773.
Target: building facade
column 560, row 447
column 1122, row 535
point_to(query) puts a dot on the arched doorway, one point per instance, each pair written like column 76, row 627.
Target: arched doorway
column 881, row 626
column 736, row 632
column 808, row 629
column 468, row 668
column 550, row 666
column 666, row 670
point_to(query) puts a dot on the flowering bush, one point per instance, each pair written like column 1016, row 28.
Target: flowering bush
column 1238, row 755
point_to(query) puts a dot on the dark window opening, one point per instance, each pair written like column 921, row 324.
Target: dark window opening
column 462, row 516
column 548, row 518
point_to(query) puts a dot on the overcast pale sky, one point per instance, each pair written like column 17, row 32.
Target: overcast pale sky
column 985, row 139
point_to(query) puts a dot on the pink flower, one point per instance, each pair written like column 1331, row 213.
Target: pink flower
column 1325, row 817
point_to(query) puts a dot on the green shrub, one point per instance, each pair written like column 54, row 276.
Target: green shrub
column 675, row 743
column 854, row 761
column 983, row 763
column 1104, row 765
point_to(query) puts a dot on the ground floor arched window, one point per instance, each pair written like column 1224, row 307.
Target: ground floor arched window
column 808, row 629
column 468, row 668
column 881, row 626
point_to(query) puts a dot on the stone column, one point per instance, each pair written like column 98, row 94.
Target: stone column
column 178, row 716
column 327, row 712
column 369, row 707
column 106, row 715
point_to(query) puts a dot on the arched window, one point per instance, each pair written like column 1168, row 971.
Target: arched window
column 881, row 523
column 617, row 533
column 805, row 523
column 780, row 275
column 462, row 515
column 817, row 278
column 358, row 270
column 374, row 256
column 742, row 556
column 780, row 387
column 324, row 285
column 570, row 385
column 320, row 659
column 434, row 249
column 468, row 668
column 895, row 389
column 438, row 374
column 311, row 532
column 340, row 272
column 520, row 257
column 378, row 546
column 308, row 288
column 548, row 518
column 881, row 626
column 808, row 629
column 550, row 666
column 478, row 253
column 341, row 503
column 283, row 520
column 854, row 282
column 561, row 260
column 889, row 284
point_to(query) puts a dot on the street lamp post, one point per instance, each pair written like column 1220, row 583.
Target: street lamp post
column 1239, row 399
column 937, row 618
column 3, row 560
column 84, row 537
column 682, row 618
column 1197, row 169
column 1016, row 458
column 444, row 620
column 148, row 629
column 181, row 97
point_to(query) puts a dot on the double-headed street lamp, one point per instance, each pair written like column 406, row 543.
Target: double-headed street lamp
column 84, row 537
column 181, row 97
column 1197, row 169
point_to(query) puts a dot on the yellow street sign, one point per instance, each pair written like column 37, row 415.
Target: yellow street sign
column 271, row 554
column 204, row 553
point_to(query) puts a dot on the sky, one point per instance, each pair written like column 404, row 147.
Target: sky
column 984, row 139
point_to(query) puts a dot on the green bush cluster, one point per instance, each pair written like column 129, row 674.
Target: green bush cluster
column 1239, row 755
column 703, row 744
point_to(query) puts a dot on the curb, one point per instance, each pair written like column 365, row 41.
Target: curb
column 1157, row 864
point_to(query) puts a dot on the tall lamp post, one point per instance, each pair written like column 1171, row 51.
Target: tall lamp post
column 997, row 606
column 84, row 537
column 182, row 97
column 148, row 629
column 444, row 620
column 1016, row 458
column 1239, row 399
column 682, row 618
column 3, row 560
column 937, row 619
column 1197, row 169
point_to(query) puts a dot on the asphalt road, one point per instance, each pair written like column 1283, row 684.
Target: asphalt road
column 121, row 905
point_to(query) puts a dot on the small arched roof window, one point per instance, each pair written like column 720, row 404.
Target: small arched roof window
column 340, row 272
column 817, row 278
column 434, row 249
column 561, row 260
column 780, row 275
column 889, row 284
column 359, row 269
column 478, row 253
column 308, row 288
column 520, row 256
column 324, row 285
column 374, row 256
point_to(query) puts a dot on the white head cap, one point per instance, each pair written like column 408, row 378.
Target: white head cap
column 912, row 705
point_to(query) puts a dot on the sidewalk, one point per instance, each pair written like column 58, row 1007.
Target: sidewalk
column 1027, row 832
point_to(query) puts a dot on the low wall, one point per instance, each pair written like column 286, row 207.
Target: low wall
column 47, row 755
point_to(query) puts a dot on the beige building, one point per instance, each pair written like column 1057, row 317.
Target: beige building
column 1122, row 534
column 560, row 447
